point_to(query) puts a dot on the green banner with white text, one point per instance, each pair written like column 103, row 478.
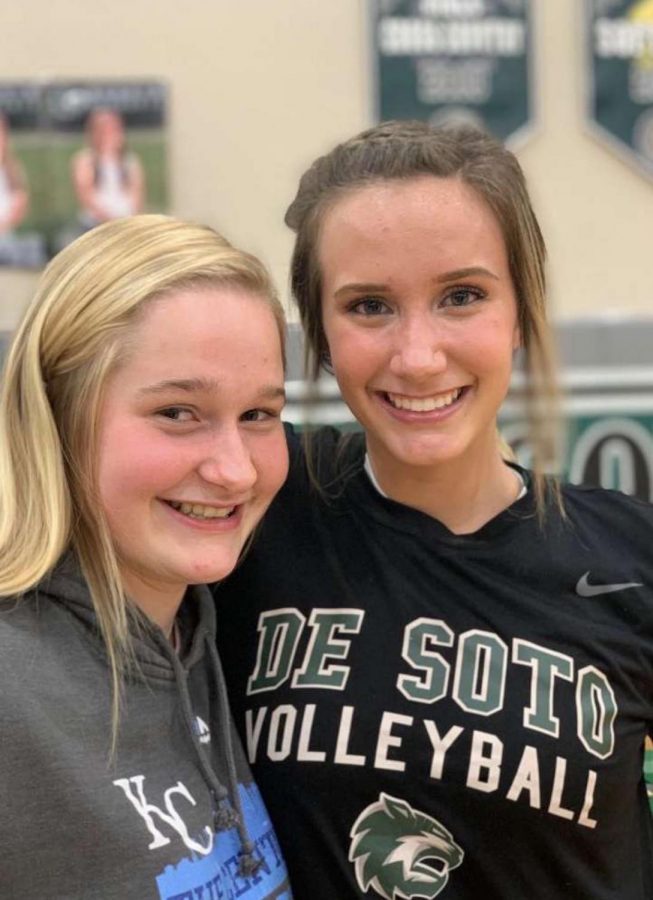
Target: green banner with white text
column 620, row 50
column 455, row 61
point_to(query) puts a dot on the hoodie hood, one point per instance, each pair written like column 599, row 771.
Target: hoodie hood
column 154, row 660
column 151, row 650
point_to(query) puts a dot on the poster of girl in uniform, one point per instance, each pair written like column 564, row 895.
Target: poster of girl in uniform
column 108, row 178
column 107, row 153
column 22, row 242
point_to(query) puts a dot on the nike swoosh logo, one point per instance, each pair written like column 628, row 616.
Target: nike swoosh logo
column 585, row 589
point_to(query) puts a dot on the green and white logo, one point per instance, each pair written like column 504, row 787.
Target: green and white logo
column 401, row 852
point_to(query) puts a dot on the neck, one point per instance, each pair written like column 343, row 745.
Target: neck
column 461, row 496
column 160, row 604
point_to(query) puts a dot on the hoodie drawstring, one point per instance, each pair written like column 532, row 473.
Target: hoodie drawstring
column 228, row 812
column 249, row 864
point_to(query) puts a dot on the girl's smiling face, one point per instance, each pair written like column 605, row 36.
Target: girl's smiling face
column 420, row 316
column 192, row 449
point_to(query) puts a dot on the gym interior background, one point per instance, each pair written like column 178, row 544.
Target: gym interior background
column 256, row 89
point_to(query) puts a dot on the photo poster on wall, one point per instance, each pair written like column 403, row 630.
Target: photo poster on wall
column 74, row 154
column 620, row 77
column 106, row 154
column 455, row 61
column 23, row 179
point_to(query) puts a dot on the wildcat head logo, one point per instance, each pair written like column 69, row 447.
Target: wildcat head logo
column 400, row 852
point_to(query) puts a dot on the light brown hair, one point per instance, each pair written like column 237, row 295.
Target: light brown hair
column 404, row 150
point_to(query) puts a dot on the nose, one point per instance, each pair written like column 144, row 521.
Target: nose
column 227, row 462
column 419, row 349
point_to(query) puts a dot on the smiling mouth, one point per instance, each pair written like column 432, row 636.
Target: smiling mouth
column 202, row 510
column 424, row 404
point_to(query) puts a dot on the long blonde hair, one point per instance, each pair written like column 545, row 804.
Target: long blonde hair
column 69, row 341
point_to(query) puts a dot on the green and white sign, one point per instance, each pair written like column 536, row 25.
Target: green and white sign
column 608, row 427
column 455, row 61
column 614, row 451
column 620, row 43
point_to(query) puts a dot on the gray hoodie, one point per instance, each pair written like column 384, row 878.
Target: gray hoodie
column 175, row 814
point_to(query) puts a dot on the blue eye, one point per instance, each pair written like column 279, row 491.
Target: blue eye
column 370, row 306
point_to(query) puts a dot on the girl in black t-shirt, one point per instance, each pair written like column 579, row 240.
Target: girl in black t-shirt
column 446, row 674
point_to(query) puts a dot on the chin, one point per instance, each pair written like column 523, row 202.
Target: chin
column 425, row 454
column 213, row 570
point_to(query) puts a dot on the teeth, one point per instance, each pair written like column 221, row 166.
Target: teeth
column 424, row 404
column 200, row 511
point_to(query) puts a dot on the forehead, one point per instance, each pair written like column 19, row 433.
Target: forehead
column 106, row 119
column 221, row 330
column 424, row 216
column 424, row 200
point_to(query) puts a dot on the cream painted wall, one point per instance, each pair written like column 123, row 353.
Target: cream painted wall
column 259, row 87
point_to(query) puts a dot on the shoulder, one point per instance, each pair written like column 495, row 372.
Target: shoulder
column 322, row 465
column 82, row 162
column 600, row 503
column 84, row 156
column 18, row 615
column 21, row 644
column 610, row 519
column 33, row 631
column 16, row 172
column 131, row 162
column 323, row 456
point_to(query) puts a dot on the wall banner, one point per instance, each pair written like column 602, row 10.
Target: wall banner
column 620, row 49
column 455, row 61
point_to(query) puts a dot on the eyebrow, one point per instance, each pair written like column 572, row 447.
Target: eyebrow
column 445, row 278
column 195, row 385
column 468, row 271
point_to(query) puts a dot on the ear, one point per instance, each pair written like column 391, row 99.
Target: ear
column 396, row 809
